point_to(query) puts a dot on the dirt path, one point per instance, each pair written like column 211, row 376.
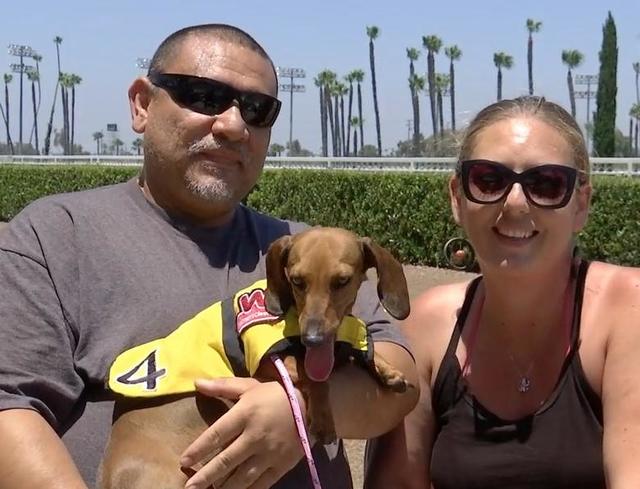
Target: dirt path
column 419, row 279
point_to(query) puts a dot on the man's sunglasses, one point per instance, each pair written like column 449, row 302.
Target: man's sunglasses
column 211, row 97
column 547, row 186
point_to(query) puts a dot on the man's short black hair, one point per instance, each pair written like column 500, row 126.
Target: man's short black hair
column 225, row 32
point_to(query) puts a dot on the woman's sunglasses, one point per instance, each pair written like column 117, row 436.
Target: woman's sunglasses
column 211, row 97
column 547, row 186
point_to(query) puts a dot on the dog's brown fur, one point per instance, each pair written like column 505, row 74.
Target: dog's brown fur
column 319, row 272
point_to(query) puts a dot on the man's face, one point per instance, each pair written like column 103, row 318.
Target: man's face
column 197, row 165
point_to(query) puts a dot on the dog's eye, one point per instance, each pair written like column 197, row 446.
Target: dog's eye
column 341, row 281
column 297, row 282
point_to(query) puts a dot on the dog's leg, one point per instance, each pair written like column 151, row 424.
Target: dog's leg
column 390, row 376
column 316, row 396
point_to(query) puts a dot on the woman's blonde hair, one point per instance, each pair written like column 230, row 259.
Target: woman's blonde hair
column 532, row 106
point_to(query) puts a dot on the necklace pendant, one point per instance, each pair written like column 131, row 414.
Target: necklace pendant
column 524, row 385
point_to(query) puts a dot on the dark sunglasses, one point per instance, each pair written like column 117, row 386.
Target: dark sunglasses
column 211, row 97
column 546, row 186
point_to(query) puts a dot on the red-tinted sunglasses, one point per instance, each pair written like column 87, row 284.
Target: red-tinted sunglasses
column 547, row 186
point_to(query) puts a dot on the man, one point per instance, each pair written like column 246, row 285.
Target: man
column 88, row 275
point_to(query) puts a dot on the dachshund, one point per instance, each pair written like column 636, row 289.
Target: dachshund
column 317, row 274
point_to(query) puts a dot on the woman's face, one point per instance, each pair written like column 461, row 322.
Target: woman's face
column 513, row 233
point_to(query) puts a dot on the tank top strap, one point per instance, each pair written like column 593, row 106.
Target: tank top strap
column 581, row 275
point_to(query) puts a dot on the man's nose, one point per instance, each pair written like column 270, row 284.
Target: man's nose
column 230, row 125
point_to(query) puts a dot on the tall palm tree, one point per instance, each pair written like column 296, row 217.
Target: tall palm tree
column 342, row 90
column 319, row 82
column 373, row 32
column 572, row 58
column 413, row 54
column 349, row 78
column 329, row 80
column 532, row 26
column 417, row 84
column 65, row 84
column 355, row 123
column 501, row 60
column 442, row 84
column 34, row 77
column 36, row 58
column 117, row 144
column 97, row 137
column 57, row 41
column 7, row 80
column 335, row 92
column 358, row 77
column 454, row 53
column 432, row 44
column 136, row 145
column 634, row 113
column 636, row 68
column 74, row 81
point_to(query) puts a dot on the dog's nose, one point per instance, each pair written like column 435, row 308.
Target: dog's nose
column 311, row 340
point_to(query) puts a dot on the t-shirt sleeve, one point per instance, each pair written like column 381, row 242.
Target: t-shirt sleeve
column 37, row 341
column 381, row 326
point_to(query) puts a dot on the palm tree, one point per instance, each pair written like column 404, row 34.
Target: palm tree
column 349, row 78
column 572, row 58
column 454, row 54
column 37, row 58
column 7, row 80
column 335, row 93
column 358, row 77
column 373, row 32
column 413, row 54
column 319, row 82
column 416, row 84
column 34, row 77
column 97, row 137
column 57, row 40
column 341, row 91
column 74, row 80
column 432, row 44
column 634, row 113
column 636, row 68
column 65, row 84
column 532, row 26
column 274, row 150
column 136, row 145
column 442, row 84
column 502, row 60
column 118, row 143
column 355, row 123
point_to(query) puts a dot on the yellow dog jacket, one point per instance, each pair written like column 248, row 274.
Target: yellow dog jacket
column 228, row 338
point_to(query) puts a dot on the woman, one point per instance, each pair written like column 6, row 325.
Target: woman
column 530, row 374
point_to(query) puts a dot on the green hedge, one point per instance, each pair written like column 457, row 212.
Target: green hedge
column 406, row 212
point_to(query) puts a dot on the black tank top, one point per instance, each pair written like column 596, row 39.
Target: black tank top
column 559, row 446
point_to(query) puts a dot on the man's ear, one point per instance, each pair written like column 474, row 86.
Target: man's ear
column 583, row 201
column 139, row 97
column 454, row 197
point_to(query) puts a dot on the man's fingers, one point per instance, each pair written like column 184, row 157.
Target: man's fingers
column 223, row 464
column 217, row 436
column 229, row 387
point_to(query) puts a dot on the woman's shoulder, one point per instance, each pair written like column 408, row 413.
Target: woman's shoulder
column 616, row 284
column 433, row 316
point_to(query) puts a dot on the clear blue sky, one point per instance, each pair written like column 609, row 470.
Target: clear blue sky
column 101, row 41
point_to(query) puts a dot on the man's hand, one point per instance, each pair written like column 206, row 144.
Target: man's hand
column 255, row 443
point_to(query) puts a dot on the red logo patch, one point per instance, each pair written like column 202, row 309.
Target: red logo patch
column 252, row 310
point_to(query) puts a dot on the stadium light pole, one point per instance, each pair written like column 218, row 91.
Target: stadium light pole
column 587, row 80
column 143, row 63
column 290, row 87
column 22, row 52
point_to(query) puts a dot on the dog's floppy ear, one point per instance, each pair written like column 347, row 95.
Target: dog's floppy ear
column 392, row 284
column 278, row 297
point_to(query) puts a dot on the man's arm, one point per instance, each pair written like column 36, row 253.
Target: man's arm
column 33, row 456
column 257, row 438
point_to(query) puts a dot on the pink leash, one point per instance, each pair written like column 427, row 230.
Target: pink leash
column 297, row 416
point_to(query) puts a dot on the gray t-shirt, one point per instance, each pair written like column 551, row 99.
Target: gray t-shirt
column 87, row 275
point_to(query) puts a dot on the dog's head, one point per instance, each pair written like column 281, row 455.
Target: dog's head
column 320, row 271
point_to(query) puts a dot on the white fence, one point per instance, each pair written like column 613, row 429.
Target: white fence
column 601, row 166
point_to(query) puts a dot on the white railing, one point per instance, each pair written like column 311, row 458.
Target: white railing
column 600, row 166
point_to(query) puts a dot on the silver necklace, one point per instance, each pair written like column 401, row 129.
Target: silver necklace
column 524, row 382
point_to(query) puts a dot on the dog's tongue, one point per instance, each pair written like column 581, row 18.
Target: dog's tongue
column 318, row 361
